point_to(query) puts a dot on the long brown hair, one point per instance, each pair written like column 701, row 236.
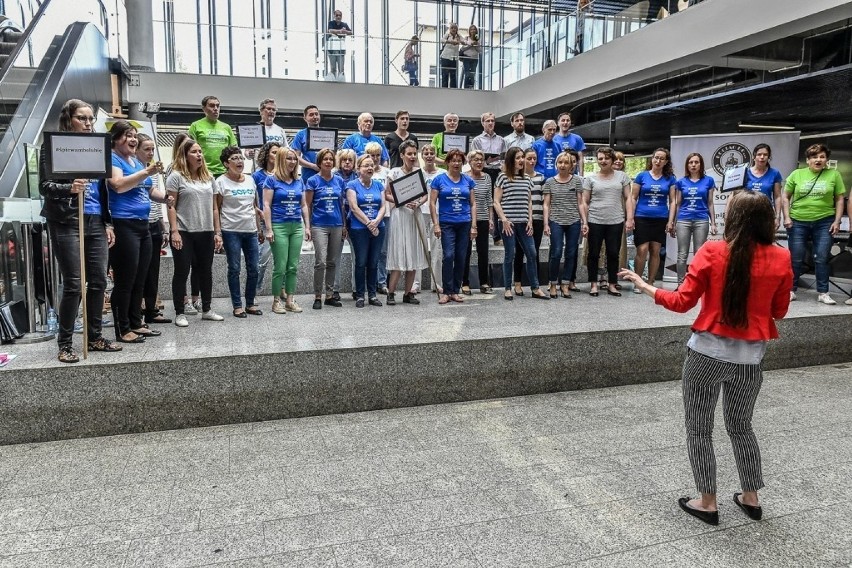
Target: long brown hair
column 69, row 109
column 181, row 164
column 749, row 221
column 509, row 163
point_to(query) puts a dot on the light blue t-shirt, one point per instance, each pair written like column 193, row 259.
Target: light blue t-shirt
column 286, row 199
column 357, row 142
column 695, row 195
column 765, row 184
column 259, row 177
column 570, row 142
column 134, row 203
column 369, row 200
column 453, row 198
column 327, row 203
column 653, row 195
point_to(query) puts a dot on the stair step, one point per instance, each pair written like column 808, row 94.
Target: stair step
column 6, row 48
column 11, row 36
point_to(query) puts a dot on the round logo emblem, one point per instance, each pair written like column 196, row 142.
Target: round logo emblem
column 729, row 155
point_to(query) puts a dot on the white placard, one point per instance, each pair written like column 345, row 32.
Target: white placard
column 251, row 135
column 734, row 178
column 77, row 155
column 454, row 142
column 408, row 188
column 321, row 138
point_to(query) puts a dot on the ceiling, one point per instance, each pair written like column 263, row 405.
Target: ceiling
column 564, row 6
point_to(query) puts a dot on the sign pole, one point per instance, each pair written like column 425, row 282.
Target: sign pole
column 83, row 283
column 419, row 222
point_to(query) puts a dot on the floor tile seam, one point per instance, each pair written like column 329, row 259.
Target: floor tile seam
column 48, row 508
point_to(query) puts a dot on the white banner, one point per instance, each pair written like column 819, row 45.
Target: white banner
column 720, row 152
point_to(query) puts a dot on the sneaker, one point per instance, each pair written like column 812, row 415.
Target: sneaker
column 792, row 296
column 826, row 299
column 78, row 327
column 181, row 321
column 335, row 296
column 848, row 302
column 190, row 309
column 106, row 322
column 67, row 355
column 375, row 302
column 293, row 307
column 359, row 303
column 332, row 302
column 210, row 315
column 278, row 306
column 410, row 299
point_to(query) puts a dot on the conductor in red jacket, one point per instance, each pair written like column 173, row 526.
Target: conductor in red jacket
column 743, row 283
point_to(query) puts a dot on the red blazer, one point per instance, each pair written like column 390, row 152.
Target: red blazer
column 768, row 299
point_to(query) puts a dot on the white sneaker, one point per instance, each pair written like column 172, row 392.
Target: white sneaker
column 211, row 316
column 181, row 321
column 636, row 290
column 278, row 306
column 792, row 296
column 848, row 302
column 826, row 299
column 190, row 309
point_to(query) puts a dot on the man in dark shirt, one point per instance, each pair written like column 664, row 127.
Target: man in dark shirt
column 398, row 136
column 335, row 46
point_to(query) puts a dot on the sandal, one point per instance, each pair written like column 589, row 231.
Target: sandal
column 137, row 339
column 104, row 344
column 145, row 332
column 444, row 299
column 240, row 314
column 67, row 355
column 457, row 298
column 565, row 291
column 507, row 295
column 552, row 291
column 466, row 291
column 159, row 318
column 254, row 311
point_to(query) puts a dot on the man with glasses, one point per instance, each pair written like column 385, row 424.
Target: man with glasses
column 212, row 135
column 335, row 46
column 274, row 133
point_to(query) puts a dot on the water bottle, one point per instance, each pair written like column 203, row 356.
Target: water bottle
column 52, row 321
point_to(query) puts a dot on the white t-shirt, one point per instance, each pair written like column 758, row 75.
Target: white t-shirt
column 237, row 211
column 429, row 176
column 275, row 133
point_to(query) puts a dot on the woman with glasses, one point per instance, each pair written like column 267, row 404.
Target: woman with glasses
column 235, row 204
column 287, row 218
column 484, row 224
column 130, row 192
column 366, row 229
column 61, row 199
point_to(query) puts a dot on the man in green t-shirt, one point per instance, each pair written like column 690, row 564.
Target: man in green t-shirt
column 212, row 135
column 451, row 124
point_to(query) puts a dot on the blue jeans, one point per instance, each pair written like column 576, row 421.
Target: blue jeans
column 367, row 249
column 245, row 243
column 383, row 258
column 527, row 246
column 567, row 238
column 454, row 240
column 797, row 238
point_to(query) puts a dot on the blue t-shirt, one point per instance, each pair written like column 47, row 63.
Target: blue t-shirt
column 92, row 201
column 694, row 198
column 134, row 203
column 453, row 198
column 570, row 142
column 286, row 199
column 546, row 153
column 300, row 143
column 765, row 184
column 357, row 142
column 653, row 195
column 369, row 200
column 327, row 204
column 259, row 177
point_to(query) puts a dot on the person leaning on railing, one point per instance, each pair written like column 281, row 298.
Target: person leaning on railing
column 61, row 212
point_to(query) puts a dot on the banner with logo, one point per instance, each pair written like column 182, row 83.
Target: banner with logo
column 720, row 152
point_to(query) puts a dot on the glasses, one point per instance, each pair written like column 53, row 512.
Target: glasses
column 236, row 159
column 86, row 119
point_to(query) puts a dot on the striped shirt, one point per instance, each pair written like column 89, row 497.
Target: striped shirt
column 482, row 194
column 516, row 197
column 537, row 197
column 564, row 208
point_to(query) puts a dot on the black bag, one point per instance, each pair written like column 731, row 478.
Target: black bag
column 9, row 330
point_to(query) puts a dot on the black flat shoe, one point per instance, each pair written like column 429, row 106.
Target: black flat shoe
column 335, row 296
column 753, row 513
column 410, row 299
column 595, row 293
column 138, row 339
column 317, row 304
column 332, row 302
column 540, row 295
column 145, row 332
column 242, row 314
column 611, row 293
column 709, row 517
column 159, row 318
column 254, row 311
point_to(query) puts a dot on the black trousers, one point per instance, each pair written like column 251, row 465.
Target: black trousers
column 65, row 240
column 129, row 258
column 149, row 293
column 538, row 233
column 197, row 254
column 482, row 243
column 611, row 235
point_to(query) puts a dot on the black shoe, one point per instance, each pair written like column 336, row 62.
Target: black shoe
column 332, row 302
column 317, row 304
column 375, row 302
column 383, row 290
column 354, row 296
column 753, row 513
column 391, row 299
column 359, row 303
column 335, row 296
column 409, row 299
column 709, row 517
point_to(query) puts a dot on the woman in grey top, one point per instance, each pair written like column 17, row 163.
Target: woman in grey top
column 195, row 232
column 563, row 221
column 484, row 224
column 604, row 194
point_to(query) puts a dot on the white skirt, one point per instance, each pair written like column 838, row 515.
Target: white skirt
column 405, row 251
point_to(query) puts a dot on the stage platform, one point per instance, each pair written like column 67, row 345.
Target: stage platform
column 339, row 360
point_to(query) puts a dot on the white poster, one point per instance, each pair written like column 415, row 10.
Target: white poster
column 720, row 152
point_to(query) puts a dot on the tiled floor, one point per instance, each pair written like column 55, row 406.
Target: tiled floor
column 481, row 316
column 586, row 478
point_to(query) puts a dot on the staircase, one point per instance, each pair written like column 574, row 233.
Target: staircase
column 10, row 35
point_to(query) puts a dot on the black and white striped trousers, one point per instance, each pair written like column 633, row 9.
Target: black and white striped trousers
column 703, row 378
